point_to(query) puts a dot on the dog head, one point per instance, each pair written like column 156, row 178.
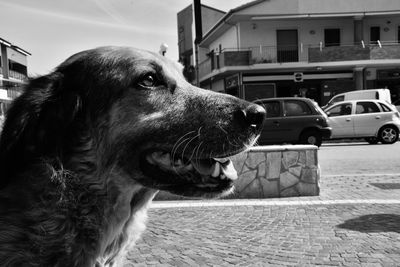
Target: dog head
column 133, row 112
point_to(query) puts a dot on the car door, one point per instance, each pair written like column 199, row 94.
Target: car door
column 271, row 132
column 297, row 116
column 368, row 118
column 340, row 118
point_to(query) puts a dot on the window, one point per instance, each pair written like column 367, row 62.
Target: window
column 375, row 34
column 332, row 37
column 273, row 109
column 340, row 110
column 366, row 107
column 296, row 108
column 385, row 108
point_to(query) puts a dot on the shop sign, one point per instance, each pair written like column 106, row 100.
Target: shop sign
column 298, row 77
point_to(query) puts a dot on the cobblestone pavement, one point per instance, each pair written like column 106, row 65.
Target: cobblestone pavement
column 354, row 222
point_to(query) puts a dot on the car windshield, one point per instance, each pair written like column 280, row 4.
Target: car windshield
column 334, row 100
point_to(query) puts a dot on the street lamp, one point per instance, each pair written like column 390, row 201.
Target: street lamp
column 163, row 49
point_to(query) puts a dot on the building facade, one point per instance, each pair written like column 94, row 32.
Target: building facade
column 308, row 48
column 13, row 72
column 210, row 16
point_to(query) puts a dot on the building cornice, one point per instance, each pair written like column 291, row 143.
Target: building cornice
column 296, row 66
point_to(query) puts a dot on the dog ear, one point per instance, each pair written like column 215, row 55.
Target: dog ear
column 37, row 121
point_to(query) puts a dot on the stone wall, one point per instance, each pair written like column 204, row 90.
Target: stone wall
column 277, row 171
column 273, row 171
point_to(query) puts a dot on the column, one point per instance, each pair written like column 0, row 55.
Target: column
column 4, row 60
column 359, row 78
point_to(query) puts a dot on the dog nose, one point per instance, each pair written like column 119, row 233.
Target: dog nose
column 254, row 116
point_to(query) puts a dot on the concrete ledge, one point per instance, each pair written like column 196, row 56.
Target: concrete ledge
column 273, row 171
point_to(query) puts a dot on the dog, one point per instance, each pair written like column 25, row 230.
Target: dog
column 85, row 149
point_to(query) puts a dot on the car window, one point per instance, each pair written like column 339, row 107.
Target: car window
column 385, row 108
column 273, row 109
column 337, row 99
column 340, row 110
column 296, row 108
column 366, row 107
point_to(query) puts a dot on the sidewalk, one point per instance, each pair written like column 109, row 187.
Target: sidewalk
column 354, row 222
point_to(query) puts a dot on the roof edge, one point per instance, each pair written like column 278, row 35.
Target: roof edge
column 17, row 48
column 228, row 14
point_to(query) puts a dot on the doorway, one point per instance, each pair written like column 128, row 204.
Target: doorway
column 287, row 46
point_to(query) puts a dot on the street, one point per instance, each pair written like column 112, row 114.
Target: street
column 353, row 222
column 359, row 158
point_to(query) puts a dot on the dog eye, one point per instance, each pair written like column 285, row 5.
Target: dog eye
column 148, row 81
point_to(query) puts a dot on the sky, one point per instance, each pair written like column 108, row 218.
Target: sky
column 52, row 30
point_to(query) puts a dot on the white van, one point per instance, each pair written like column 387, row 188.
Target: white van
column 380, row 94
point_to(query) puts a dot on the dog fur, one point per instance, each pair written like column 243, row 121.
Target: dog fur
column 75, row 174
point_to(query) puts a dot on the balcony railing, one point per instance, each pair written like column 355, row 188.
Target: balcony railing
column 16, row 75
column 380, row 50
column 301, row 53
column 273, row 54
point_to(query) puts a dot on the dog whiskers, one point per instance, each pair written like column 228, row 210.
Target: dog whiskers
column 178, row 143
column 222, row 129
column 184, row 149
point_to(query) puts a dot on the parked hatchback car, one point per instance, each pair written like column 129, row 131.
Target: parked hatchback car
column 293, row 120
column 374, row 120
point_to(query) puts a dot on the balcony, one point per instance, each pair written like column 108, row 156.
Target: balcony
column 381, row 50
column 17, row 75
column 228, row 57
column 301, row 53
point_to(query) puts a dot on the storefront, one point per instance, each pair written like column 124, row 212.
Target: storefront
column 317, row 86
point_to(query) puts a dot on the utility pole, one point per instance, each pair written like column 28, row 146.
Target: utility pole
column 198, row 36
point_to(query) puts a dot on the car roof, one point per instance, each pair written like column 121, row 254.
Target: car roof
column 282, row 98
column 362, row 100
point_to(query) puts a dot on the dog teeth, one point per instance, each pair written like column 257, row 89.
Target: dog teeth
column 217, row 169
column 178, row 163
column 164, row 159
column 221, row 168
column 229, row 170
column 189, row 167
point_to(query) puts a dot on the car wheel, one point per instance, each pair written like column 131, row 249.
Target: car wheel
column 311, row 137
column 388, row 134
column 372, row 140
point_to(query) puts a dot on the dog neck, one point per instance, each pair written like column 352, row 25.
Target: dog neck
column 105, row 210
column 127, row 215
